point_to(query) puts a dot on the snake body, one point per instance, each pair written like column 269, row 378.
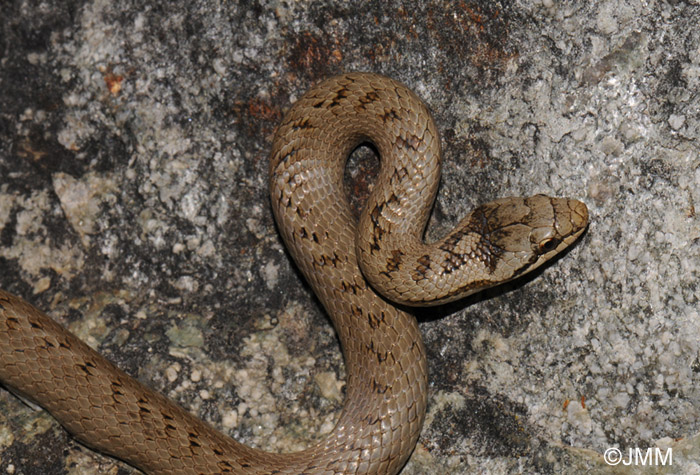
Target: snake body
column 386, row 390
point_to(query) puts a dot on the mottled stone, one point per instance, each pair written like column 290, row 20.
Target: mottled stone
column 134, row 209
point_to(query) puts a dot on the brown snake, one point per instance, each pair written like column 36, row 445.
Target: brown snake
column 386, row 390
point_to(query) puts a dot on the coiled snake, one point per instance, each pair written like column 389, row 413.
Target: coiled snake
column 387, row 389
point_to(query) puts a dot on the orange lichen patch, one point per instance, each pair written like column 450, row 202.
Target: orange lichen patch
column 265, row 116
column 408, row 22
column 310, row 52
column 476, row 17
column 112, row 80
column 470, row 17
column 482, row 32
column 262, row 110
column 484, row 55
column 114, row 83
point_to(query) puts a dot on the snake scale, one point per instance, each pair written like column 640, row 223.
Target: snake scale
column 387, row 385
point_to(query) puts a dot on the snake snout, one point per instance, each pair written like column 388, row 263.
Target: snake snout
column 579, row 214
column 571, row 218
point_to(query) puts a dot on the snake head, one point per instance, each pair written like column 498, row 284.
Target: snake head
column 517, row 235
column 494, row 244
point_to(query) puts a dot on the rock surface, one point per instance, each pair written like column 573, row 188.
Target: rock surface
column 133, row 208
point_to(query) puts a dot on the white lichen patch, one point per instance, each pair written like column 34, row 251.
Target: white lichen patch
column 185, row 334
column 271, row 274
column 330, row 386
column 30, row 248
column 6, row 203
column 33, row 423
column 81, row 462
column 578, row 415
column 81, row 200
column 92, row 328
column 42, row 284
column 6, row 435
column 442, row 400
column 261, row 391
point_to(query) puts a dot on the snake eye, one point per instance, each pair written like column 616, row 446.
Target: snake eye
column 547, row 245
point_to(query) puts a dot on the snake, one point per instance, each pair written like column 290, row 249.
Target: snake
column 364, row 271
